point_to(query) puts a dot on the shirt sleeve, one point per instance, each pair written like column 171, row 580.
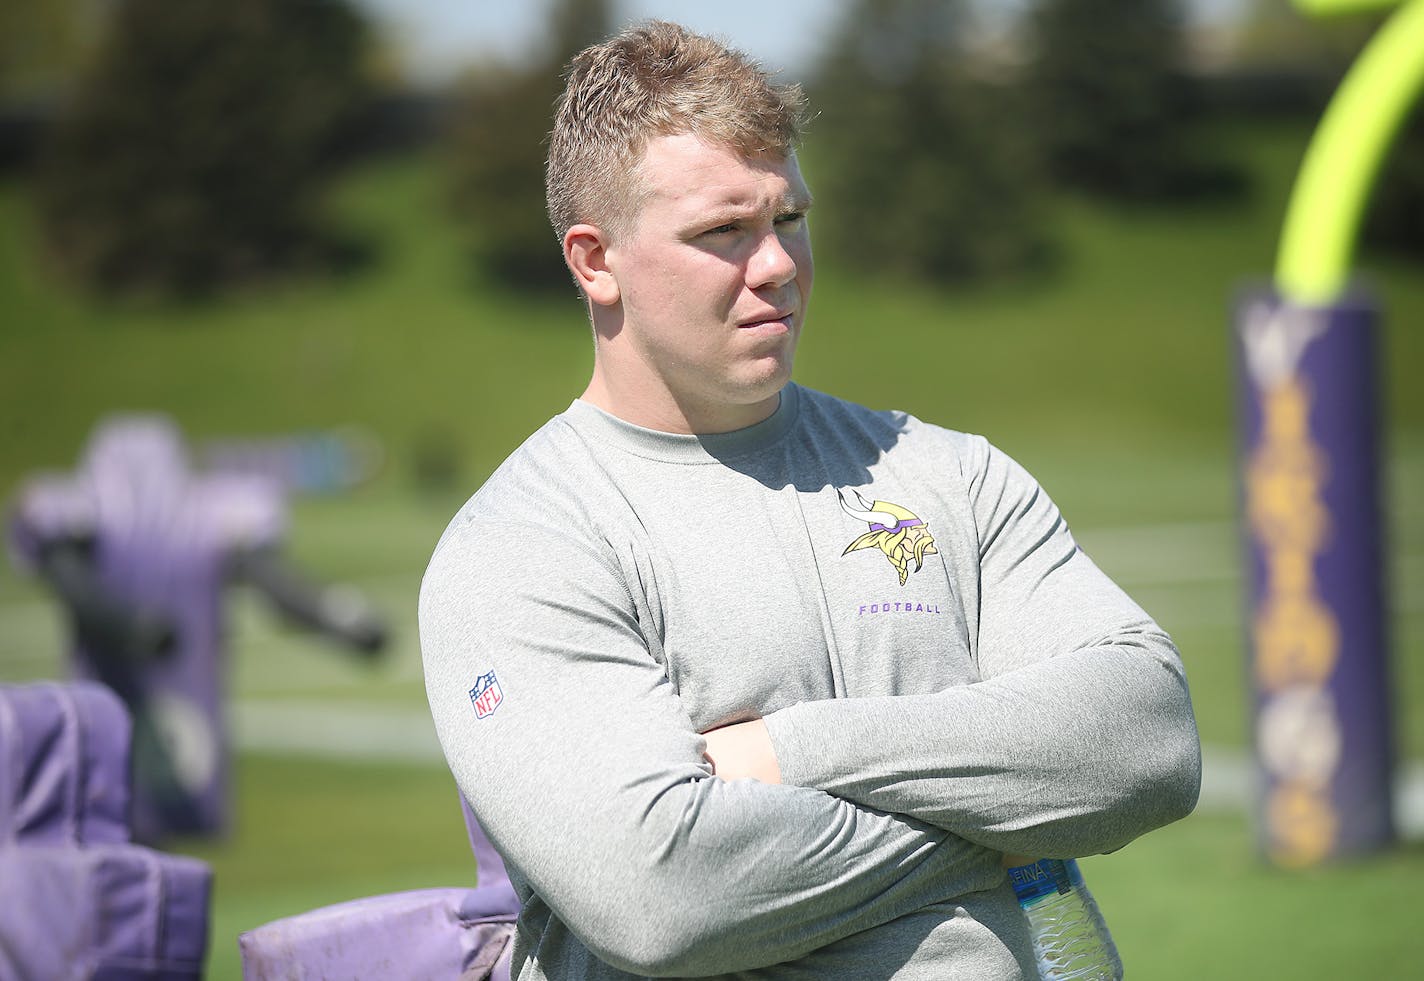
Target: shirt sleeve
column 589, row 778
column 1080, row 734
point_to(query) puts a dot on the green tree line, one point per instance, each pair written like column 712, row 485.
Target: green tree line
column 196, row 146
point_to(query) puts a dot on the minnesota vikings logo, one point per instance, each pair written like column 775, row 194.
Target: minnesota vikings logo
column 893, row 530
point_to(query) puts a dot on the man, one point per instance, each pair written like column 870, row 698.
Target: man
column 884, row 624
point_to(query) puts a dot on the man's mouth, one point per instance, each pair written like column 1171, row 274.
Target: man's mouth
column 773, row 317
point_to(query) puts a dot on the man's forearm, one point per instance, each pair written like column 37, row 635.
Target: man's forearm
column 1072, row 756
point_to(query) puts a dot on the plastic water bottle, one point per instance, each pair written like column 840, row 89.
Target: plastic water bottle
column 1070, row 937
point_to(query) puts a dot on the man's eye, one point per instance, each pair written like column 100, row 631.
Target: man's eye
column 723, row 229
column 790, row 218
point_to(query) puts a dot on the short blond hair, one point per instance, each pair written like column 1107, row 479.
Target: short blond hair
column 655, row 79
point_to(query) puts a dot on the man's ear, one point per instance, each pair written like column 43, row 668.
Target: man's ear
column 586, row 252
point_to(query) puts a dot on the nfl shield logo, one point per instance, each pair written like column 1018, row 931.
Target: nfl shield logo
column 486, row 695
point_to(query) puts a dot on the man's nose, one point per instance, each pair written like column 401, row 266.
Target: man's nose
column 772, row 264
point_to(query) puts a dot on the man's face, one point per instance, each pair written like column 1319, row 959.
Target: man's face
column 714, row 275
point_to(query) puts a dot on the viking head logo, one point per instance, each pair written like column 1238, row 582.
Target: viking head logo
column 893, row 530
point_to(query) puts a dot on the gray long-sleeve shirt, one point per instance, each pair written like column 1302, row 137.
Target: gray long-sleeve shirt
column 611, row 592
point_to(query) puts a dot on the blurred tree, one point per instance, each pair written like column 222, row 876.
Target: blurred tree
column 496, row 148
column 196, row 148
column 1394, row 222
column 1275, row 34
column 1113, row 103
column 923, row 167
column 43, row 43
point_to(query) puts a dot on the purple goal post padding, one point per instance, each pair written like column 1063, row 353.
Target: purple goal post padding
column 1317, row 628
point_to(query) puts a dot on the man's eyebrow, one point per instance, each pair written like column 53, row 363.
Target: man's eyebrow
column 796, row 201
column 725, row 213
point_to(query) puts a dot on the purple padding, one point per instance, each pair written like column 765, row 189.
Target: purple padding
column 421, row 935
column 49, row 506
column 102, row 913
column 64, row 773
column 487, row 860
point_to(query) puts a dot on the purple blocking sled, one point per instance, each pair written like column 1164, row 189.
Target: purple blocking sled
column 77, row 899
column 421, row 935
column 139, row 550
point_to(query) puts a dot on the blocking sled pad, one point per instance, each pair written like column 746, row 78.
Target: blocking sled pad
column 78, row 900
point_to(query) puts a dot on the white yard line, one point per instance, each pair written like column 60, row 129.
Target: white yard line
column 306, row 728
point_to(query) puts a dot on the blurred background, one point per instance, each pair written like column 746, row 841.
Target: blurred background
column 283, row 219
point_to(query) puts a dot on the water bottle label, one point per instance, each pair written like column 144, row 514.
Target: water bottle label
column 1046, row 877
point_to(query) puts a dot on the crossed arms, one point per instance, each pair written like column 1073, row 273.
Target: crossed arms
column 593, row 783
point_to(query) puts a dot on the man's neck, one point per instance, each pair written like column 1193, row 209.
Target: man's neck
column 663, row 412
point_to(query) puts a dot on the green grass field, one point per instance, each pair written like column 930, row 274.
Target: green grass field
column 1111, row 381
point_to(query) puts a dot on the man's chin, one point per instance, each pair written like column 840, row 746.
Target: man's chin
column 764, row 388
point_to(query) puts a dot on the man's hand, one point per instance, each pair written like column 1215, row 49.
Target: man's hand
column 743, row 750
